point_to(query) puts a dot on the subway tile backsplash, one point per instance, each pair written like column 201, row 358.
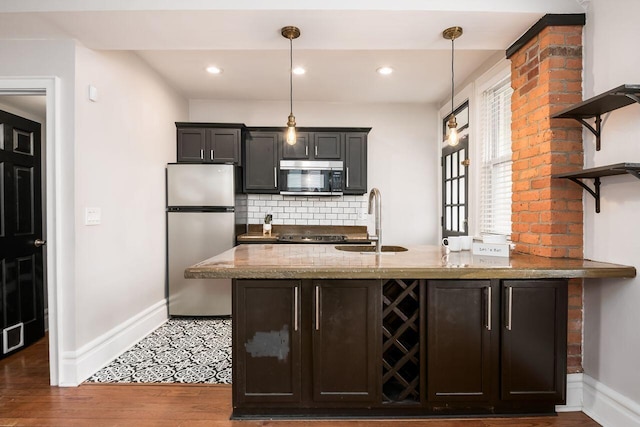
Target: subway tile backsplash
column 307, row 210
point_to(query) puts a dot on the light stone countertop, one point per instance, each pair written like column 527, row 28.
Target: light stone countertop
column 323, row 261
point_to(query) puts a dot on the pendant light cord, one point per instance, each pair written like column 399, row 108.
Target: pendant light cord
column 452, row 51
column 291, row 74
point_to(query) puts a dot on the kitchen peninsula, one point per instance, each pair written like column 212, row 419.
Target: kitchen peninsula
column 324, row 332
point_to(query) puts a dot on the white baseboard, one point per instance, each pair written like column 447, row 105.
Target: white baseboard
column 574, row 394
column 79, row 365
column 607, row 406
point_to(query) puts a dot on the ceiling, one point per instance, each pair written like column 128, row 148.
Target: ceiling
column 342, row 43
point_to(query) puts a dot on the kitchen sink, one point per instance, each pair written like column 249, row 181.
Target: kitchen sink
column 370, row 249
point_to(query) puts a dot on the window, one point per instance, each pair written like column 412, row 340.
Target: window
column 495, row 168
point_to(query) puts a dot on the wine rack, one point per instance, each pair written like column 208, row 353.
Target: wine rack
column 401, row 341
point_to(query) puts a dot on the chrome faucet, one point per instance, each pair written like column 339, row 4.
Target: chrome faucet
column 374, row 196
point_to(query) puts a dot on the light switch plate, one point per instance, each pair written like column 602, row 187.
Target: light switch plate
column 93, row 93
column 92, row 216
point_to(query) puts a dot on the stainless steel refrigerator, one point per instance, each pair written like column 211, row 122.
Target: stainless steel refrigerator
column 200, row 224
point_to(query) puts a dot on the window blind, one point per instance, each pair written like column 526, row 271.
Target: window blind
column 495, row 170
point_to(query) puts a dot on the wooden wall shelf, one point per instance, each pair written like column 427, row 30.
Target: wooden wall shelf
column 597, row 173
column 613, row 99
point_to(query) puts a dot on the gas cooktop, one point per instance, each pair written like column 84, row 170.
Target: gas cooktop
column 312, row 238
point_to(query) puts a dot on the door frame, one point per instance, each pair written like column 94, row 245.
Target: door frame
column 50, row 87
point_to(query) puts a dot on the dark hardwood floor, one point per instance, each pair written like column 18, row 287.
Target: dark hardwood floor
column 26, row 399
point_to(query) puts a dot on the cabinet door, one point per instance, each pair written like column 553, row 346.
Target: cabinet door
column 327, row 145
column 261, row 163
column 460, row 325
column 298, row 151
column 191, row 145
column 223, row 145
column 355, row 163
column 534, row 340
column 346, row 340
column 266, row 341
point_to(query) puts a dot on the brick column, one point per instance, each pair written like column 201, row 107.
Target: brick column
column 546, row 76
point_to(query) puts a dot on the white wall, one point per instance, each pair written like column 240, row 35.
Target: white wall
column 111, row 154
column 123, row 142
column 611, row 336
column 401, row 162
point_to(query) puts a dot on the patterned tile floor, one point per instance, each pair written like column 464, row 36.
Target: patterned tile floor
column 183, row 350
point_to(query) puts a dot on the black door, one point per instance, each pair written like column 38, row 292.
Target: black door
column 21, row 259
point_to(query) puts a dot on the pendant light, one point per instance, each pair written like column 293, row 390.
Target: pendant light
column 452, row 33
column 291, row 33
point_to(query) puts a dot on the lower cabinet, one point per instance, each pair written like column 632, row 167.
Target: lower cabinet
column 445, row 347
column 502, row 343
column 266, row 341
column 284, row 329
column 345, row 340
column 460, row 331
column 534, row 340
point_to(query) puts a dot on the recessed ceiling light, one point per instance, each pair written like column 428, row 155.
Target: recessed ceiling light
column 299, row 71
column 214, row 70
column 385, row 71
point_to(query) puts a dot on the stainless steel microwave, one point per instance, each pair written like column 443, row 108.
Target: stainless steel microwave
column 311, row 177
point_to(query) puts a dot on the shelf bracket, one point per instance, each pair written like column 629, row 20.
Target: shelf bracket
column 595, row 192
column 634, row 173
column 595, row 131
column 633, row 97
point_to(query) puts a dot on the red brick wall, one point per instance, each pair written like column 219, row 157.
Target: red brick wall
column 546, row 76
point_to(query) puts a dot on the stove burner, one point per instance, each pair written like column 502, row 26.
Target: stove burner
column 312, row 238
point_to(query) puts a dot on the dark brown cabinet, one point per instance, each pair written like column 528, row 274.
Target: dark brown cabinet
column 314, row 146
column 297, row 151
column 534, row 340
column 327, row 145
column 496, row 342
column 460, row 329
column 355, row 163
column 345, row 343
column 208, row 143
column 282, row 328
column 260, row 161
column 266, row 341
column 476, row 346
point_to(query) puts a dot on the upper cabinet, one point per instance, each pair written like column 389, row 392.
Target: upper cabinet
column 297, row 151
column 355, row 163
column 327, row 145
column 209, row 142
column 259, row 151
column 314, row 146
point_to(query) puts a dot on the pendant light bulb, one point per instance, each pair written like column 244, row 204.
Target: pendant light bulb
column 291, row 130
column 453, row 138
column 291, row 33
